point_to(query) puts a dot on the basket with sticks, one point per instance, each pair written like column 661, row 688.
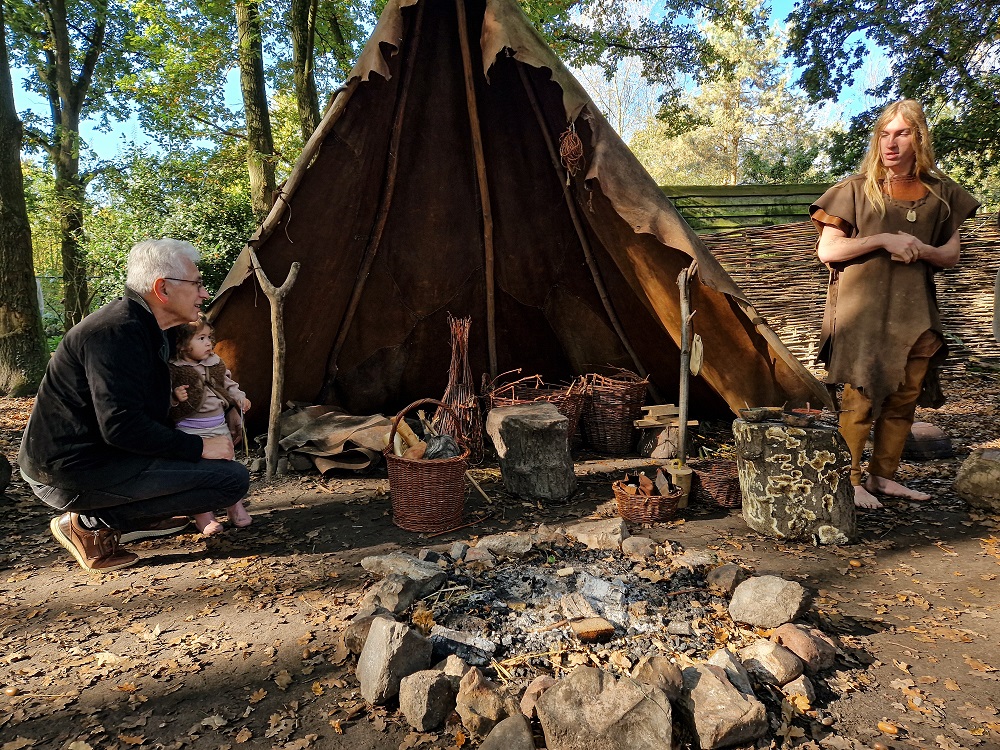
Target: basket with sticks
column 426, row 495
column 568, row 399
column 613, row 404
column 716, row 480
column 460, row 394
column 639, row 508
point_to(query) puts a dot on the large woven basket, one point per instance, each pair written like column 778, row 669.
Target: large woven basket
column 612, row 406
column 639, row 508
column 426, row 495
column 716, row 480
column 568, row 399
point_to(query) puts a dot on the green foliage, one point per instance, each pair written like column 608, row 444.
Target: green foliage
column 941, row 52
column 198, row 196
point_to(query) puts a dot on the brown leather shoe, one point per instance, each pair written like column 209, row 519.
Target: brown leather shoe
column 150, row 529
column 95, row 550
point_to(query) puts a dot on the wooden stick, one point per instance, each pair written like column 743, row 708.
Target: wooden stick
column 684, row 282
column 588, row 255
column 484, row 188
column 276, row 296
column 381, row 217
column 463, row 526
column 480, row 490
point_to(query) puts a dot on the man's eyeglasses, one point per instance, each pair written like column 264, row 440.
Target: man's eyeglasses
column 199, row 282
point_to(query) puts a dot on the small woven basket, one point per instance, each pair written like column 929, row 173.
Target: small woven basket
column 426, row 495
column 568, row 399
column 716, row 480
column 639, row 508
column 613, row 404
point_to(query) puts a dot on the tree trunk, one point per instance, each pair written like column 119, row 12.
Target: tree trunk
column 22, row 343
column 303, row 21
column 260, row 158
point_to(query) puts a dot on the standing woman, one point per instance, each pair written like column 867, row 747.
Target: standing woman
column 884, row 233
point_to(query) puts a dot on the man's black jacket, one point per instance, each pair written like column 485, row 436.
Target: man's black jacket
column 100, row 416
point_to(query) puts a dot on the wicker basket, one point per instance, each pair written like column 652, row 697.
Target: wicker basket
column 426, row 495
column 612, row 406
column 716, row 481
column 639, row 508
column 568, row 399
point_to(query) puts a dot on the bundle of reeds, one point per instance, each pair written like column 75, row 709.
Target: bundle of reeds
column 460, row 393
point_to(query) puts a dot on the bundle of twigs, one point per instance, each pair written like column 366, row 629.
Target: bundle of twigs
column 460, row 394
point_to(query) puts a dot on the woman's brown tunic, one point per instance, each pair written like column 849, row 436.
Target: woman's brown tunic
column 876, row 307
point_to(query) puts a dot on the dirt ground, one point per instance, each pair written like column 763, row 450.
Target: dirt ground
column 234, row 641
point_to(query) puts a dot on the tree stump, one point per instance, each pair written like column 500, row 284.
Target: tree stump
column 795, row 481
column 532, row 441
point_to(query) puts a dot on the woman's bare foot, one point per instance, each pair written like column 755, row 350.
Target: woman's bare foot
column 207, row 524
column 864, row 499
column 238, row 516
column 894, row 489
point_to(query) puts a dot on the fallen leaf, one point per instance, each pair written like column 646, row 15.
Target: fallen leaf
column 283, row 679
column 215, row 722
column 947, row 744
column 79, row 745
column 131, row 739
column 336, row 726
column 978, row 665
column 17, row 744
column 459, row 738
column 902, row 666
column 950, row 684
column 243, row 735
column 317, row 689
column 258, row 695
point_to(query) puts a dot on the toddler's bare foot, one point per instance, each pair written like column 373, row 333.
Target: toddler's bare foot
column 864, row 499
column 238, row 516
column 894, row 489
column 207, row 524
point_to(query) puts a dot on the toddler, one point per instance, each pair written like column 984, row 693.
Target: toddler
column 202, row 393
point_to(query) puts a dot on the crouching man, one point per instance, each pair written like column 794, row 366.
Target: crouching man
column 99, row 446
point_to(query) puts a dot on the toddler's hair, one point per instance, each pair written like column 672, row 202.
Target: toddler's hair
column 188, row 331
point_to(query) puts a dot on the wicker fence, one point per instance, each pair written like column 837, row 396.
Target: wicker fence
column 776, row 267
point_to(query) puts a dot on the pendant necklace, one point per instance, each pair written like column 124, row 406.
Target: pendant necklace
column 911, row 216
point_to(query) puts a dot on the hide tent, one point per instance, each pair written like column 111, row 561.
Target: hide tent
column 434, row 185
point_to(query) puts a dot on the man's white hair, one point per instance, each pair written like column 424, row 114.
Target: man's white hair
column 150, row 260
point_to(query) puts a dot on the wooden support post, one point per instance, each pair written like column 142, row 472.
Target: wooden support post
column 276, row 296
column 588, row 255
column 484, row 188
column 684, row 282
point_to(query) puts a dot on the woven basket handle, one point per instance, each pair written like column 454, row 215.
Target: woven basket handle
column 421, row 402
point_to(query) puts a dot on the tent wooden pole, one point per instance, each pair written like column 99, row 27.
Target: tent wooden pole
column 381, row 217
column 484, row 188
column 684, row 397
column 588, row 255
column 276, row 296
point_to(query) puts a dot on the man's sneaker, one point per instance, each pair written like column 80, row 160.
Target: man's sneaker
column 163, row 527
column 94, row 549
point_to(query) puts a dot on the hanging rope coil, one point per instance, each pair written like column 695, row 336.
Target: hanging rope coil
column 570, row 150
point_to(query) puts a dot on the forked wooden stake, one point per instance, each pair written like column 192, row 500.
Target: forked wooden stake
column 276, row 296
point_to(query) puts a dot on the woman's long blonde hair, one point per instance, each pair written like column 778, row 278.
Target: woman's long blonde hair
column 875, row 172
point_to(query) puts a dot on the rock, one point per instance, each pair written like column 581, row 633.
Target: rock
column 591, row 709
column 513, row 733
column 481, row 557
column 532, row 442
column 428, row 576
column 426, row 698
column 606, row 597
column 592, row 629
column 978, row 481
column 506, row 545
column 533, row 692
column 726, row 578
column 814, row 647
column 454, row 668
column 736, row 673
column 428, row 555
column 483, row 704
column 659, row 442
column 693, row 559
column 770, row 662
column 795, row 481
column 801, row 685
column 472, row 649
column 767, row 601
column 680, row 627
column 639, row 547
column 395, row 592
column 458, row 550
column 392, row 651
column 659, row 672
column 608, row 534
column 927, row 441
column 546, row 534
column 356, row 633
column 720, row 714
